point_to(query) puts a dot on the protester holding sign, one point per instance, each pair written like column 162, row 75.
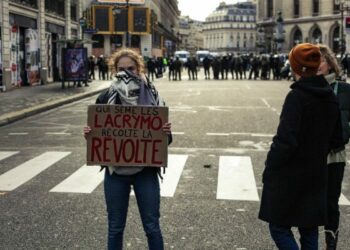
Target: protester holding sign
column 131, row 87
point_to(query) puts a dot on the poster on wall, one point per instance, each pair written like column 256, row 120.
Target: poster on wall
column 74, row 64
column 32, row 56
column 16, row 80
column 48, row 38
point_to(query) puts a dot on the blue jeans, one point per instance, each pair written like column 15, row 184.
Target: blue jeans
column 284, row 238
column 147, row 192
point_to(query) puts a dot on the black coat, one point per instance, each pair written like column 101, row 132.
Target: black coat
column 295, row 175
column 343, row 96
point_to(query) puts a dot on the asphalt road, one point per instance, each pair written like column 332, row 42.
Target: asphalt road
column 216, row 124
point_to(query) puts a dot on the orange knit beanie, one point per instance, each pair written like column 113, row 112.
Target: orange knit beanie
column 305, row 58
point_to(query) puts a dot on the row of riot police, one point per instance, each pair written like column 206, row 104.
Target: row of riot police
column 251, row 66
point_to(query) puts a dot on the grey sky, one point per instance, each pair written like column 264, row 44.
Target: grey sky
column 200, row 9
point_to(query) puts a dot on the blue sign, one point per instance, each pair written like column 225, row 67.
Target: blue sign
column 90, row 31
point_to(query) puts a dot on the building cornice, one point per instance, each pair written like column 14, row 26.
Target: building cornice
column 301, row 20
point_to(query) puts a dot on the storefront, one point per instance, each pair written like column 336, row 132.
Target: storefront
column 54, row 33
column 24, row 55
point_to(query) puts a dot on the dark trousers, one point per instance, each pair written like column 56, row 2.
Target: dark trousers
column 207, row 73
column 117, row 192
column 284, row 238
column 335, row 178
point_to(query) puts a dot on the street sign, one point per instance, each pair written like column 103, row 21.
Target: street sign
column 347, row 24
column 90, row 31
column 82, row 21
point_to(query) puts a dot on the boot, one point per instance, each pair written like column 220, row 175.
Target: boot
column 331, row 239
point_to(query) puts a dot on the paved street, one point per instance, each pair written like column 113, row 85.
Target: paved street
column 211, row 190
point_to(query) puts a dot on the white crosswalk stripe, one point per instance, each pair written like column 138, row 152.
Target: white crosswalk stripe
column 236, row 179
column 6, row 154
column 176, row 164
column 343, row 201
column 26, row 171
column 84, row 180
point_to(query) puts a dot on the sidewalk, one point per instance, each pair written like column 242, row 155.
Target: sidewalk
column 26, row 101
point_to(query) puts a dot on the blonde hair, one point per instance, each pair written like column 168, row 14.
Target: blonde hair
column 327, row 53
column 113, row 62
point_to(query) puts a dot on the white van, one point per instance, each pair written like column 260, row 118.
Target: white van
column 182, row 55
column 201, row 54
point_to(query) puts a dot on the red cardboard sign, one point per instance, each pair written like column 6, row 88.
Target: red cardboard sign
column 127, row 136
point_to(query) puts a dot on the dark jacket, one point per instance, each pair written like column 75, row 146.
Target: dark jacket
column 294, row 192
column 343, row 96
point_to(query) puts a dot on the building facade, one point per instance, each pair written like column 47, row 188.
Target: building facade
column 31, row 31
column 148, row 26
column 190, row 35
column 313, row 21
column 231, row 28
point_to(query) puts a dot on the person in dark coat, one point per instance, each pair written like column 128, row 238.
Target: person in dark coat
column 171, row 69
column 216, row 65
column 177, row 68
column 206, row 66
column 295, row 176
column 336, row 160
column 101, row 64
column 92, row 68
column 151, row 68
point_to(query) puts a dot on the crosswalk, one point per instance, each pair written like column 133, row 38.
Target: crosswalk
column 235, row 178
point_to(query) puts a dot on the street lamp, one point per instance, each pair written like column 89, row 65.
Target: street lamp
column 342, row 7
column 82, row 23
column 118, row 10
column 279, row 34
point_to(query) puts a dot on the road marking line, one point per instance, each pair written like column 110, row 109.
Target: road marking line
column 217, row 134
column 176, row 164
column 84, row 180
column 57, row 133
column 26, row 171
column 343, row 201
column 178, row 133
column 236, row 179
column 262, row 135
column 6, row 154
column 19, row 133
column 265, row 102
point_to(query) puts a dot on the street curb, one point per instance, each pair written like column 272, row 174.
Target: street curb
column 18, row 115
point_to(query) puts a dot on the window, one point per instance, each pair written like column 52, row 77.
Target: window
column 29, row 3
column 315, row 7
column 55, row 7
column 73, row 12
column 296, row 8
column 336, row 6
column 269, row 8
column 99, row 41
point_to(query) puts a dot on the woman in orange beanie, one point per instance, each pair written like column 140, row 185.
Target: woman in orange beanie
column 295, row 175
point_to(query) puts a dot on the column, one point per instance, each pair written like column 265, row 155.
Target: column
column 146, row 45
column 68, row 19
column 5, row 33
column 42, row 39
